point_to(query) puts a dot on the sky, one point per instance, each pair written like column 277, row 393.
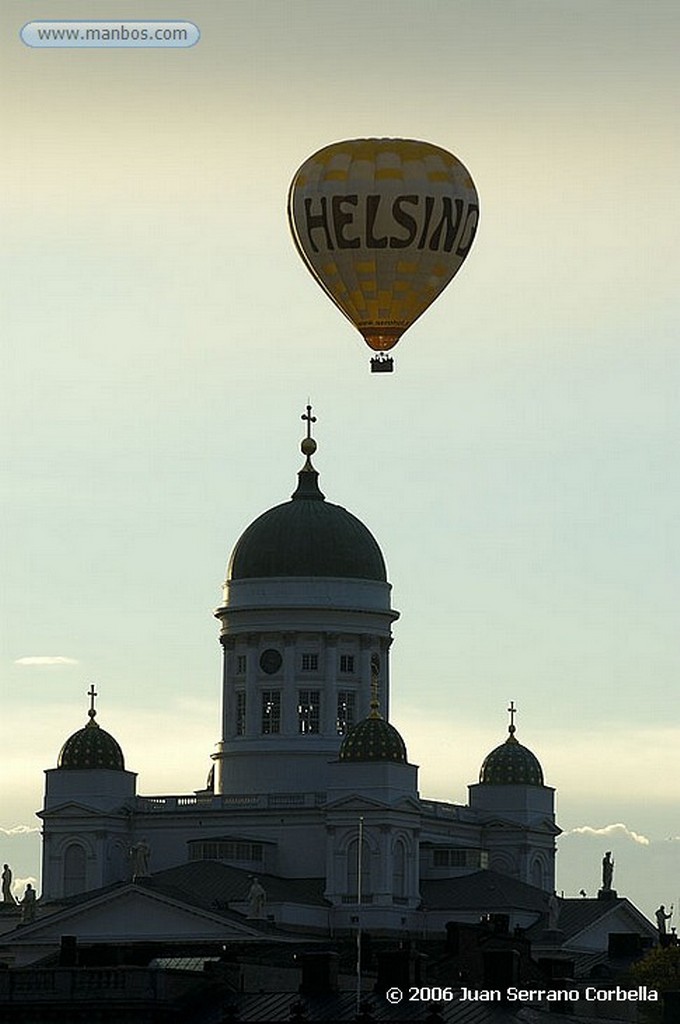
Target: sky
column 161, row 338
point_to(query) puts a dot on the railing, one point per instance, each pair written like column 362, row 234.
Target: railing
column 242, row 801
column 440, row 809
column 36, row 985
column 101, row 979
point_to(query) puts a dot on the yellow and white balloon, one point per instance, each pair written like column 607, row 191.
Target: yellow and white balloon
column 383, row 225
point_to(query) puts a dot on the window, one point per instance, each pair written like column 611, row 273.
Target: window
column 271, row 711
column 241, row 663
column 74, row 869
column 359, row 886
column 399, row 870
column 308, row 711
column 347, row 663
column 219, row 849
column 346, row 711
column 310, row 662
column 240, row 712
column 459, row 858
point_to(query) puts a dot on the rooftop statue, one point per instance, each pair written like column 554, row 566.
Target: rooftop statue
column 607, row 871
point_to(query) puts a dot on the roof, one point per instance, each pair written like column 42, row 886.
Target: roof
column 307, row 536
column 211, row 884
column 373, row 739
column 511, row 764
column 91, row 747
column 136, row 912
column 484, row 891
column 577, row 915
column 343, row 1007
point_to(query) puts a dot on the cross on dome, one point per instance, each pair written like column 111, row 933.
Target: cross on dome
column 310, row 419
column 513, row 711
column 92, row 693
column 308, row 446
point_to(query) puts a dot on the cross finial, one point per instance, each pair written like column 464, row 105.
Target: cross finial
column 310, row 419
column 513, row 711
column 92, row 693
column 308, row 446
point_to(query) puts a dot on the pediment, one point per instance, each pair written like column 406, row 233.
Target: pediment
column 75, row 808
column 132, row 913
column 510, row 825
column 359, row 803
column 501, row 825
column 622, row 917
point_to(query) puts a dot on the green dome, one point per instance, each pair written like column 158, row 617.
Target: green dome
column 91, row 747
column 511, row 764
column 373, row 739
column 307, row 536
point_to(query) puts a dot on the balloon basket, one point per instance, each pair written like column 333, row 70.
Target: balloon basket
column 382, row 364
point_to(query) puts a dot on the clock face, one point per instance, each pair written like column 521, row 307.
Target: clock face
column 270, row 661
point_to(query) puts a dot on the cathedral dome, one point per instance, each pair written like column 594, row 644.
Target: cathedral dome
column 511, row 764
column 373, row 739
column 91, row 747
column 307, row 536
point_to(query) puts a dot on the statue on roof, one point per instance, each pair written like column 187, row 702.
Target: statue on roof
column 28, row 905
column 140, row 854
column 257, row 898
column 7, row 896
column 553, row 912
column 661, row 918
column 607, row 871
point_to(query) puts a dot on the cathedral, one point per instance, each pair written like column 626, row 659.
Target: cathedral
column 311, row 791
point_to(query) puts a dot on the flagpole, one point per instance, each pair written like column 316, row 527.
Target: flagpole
column 360, row 850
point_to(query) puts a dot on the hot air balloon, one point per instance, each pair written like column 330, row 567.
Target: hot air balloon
column 383, row 225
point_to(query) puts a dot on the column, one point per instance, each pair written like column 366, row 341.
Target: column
column 329, row 690
column 289, row 701
column 252, row 694
column 385, row 644
column 227, row 644
column 386, row 865
column 364, row 694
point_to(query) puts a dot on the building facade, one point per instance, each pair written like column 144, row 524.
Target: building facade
column 310, row 779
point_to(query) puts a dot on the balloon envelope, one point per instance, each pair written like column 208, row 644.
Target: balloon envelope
column 383, row 225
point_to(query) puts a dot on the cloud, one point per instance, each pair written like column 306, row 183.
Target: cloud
column 18, row 830
column 46, row 660
column 618, row 831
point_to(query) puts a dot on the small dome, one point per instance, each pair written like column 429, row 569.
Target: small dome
column 511, row 764
column 307, row 536
column 91, row 747
column 373, row 739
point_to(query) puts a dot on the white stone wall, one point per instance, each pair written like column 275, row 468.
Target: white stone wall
column 325, row 619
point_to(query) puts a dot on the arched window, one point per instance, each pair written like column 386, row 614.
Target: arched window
column 399, row 870
column 353, row 869
column 537, row 878
column 74, row 869
column 119, row 862
column 504, row 863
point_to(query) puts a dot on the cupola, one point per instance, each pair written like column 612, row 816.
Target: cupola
column 91, row 746
column 511, row 764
